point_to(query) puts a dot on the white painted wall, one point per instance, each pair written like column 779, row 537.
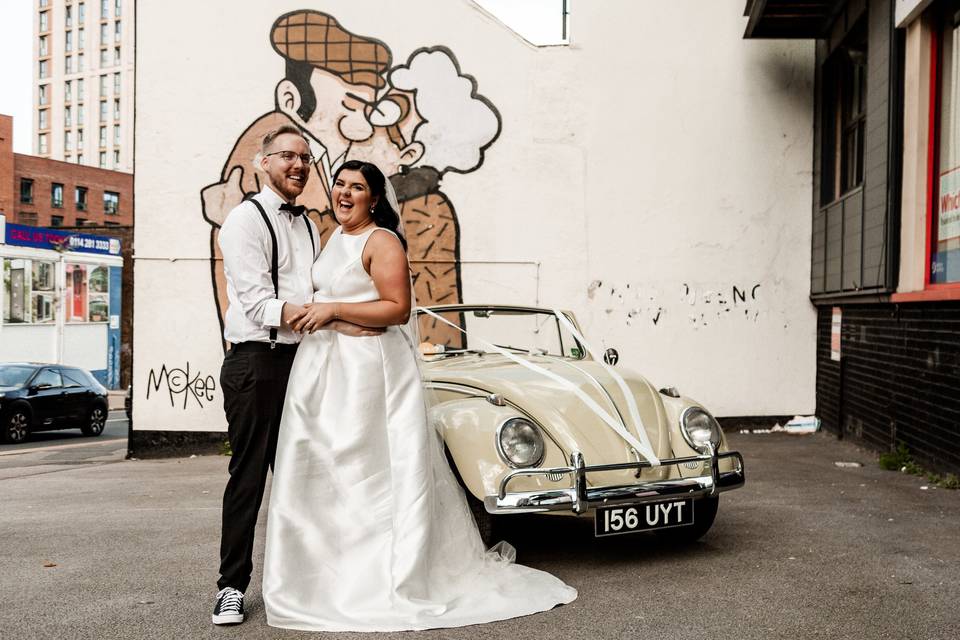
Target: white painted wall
column 641, row 174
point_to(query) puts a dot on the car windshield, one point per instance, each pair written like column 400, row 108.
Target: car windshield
column 14, row 376
column 532, row 331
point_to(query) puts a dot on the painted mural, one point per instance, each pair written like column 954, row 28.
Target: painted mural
column 416, row 121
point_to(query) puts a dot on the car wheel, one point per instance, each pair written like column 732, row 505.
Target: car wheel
column 16, row 426
column 704, row 513
column 96, row 421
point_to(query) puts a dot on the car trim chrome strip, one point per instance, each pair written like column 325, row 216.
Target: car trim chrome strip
column 579, row 497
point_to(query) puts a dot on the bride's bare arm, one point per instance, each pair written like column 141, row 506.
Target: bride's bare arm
column 386, row 262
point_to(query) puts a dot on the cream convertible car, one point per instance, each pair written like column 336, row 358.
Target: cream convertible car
column 533, row 423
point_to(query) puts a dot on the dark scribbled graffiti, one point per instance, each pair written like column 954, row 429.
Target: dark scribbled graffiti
column 180, row 383
column 417, row 121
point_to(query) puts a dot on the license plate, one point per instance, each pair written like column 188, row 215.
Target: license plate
column 612, row 521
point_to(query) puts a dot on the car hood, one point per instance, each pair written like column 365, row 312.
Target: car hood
column 566, row 418
column 15, row 388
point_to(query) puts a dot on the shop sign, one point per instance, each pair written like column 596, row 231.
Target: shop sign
column 948, row 223
column 39, row 238
column 835, row 327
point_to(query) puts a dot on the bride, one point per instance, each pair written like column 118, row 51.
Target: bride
column 368, row 529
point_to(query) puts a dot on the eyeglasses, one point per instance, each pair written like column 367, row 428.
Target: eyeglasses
column 290, row 156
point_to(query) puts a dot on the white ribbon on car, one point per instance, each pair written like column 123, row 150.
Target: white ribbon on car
column 642, row 446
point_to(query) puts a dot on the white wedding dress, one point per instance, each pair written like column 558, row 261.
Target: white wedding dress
column 368, row 530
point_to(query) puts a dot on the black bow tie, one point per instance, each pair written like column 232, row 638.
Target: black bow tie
column 294, row 209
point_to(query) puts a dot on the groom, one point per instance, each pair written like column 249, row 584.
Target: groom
column 268, row 249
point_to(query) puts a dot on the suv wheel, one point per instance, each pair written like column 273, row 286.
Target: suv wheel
column 96, row 421
column 16, row 426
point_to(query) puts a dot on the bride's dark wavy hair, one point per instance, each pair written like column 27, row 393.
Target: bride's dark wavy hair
column 383, row 214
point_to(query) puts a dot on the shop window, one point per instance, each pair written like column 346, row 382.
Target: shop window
column 42, row 296
column 26, row 190
column 98, row 303
column 945, row 205
column 56, row 195
column 844, row 117
column 76, row 293
column 80, row 198
column 111, row 202
column 29, row 291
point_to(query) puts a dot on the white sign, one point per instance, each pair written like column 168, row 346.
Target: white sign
column 835, row 327
column 907, row 10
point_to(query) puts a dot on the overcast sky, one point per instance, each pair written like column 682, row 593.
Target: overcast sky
column 539, row 21
column 16, row 90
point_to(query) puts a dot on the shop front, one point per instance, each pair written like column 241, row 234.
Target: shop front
column 61, row 299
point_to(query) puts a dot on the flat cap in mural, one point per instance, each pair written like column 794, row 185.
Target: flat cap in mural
column 317, row 38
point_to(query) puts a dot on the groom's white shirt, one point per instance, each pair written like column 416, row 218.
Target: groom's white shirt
column 244, row 240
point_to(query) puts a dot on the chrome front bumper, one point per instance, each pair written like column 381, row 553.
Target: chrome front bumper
column 579, row 497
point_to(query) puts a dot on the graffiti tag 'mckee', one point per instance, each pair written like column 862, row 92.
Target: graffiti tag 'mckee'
column 416, row 121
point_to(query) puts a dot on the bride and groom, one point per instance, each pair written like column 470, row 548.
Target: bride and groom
column 367, row 529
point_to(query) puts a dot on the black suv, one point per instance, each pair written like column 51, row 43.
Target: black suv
column 44, row 397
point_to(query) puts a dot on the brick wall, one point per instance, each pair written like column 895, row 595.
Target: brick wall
column 6, row 167
column 900, row 378
column 45, row 172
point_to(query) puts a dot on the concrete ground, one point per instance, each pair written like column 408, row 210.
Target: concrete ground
column 98, row 547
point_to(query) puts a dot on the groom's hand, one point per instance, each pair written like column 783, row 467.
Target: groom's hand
column 353, row 330
column 291, row 314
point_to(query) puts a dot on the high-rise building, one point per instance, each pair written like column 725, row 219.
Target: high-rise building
column 83, row 82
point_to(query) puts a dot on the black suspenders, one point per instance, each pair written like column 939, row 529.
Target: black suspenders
column 274, row 268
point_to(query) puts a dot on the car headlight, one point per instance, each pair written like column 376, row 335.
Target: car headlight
column 700, row 429
column 520, row 443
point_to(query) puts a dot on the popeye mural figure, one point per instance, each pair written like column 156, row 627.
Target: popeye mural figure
column 415, row 121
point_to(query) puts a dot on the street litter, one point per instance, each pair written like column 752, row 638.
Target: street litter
column 774, row 429
column 847, row 465
column 803, row 424
column 49, row 564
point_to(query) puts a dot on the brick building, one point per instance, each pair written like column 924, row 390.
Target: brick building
column 43, row 192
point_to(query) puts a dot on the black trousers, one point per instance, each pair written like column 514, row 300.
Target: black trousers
column 254, row 381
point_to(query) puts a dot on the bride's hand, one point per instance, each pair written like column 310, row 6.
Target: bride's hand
column 317, row 315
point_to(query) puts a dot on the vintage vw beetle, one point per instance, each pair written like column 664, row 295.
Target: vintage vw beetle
column 533, row 423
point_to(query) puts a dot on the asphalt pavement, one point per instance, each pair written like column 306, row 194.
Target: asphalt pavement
column 95, row 546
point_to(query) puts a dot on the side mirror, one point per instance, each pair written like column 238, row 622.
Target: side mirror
column 611, row 356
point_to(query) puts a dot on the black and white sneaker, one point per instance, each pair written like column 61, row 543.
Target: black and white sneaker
column 229, row 607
